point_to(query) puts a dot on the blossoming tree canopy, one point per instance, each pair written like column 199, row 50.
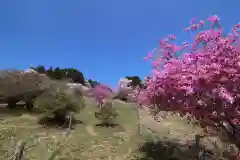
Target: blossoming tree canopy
column 101, row 92
column 204, row 82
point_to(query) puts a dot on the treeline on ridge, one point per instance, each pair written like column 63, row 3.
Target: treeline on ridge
column 77, row 76
column 64, row 74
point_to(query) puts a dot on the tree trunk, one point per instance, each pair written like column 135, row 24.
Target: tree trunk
column 29, row 104
column 12, row 103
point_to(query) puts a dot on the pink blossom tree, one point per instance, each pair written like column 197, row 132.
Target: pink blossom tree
column 101, row 93
column 203, row 83
column 107, row 113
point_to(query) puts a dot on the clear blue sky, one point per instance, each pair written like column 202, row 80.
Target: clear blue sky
column 105, row 39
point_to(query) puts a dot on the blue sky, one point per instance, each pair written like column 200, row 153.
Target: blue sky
column 105, row 39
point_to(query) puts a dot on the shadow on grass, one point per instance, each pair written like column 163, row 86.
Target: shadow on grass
column 52, row 122
column 159, row 150
column 110, row 127
column 105, row 125
column 5, row 112
column 17, row 111
column 227, row 135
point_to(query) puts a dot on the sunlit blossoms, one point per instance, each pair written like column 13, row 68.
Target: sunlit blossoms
column 205, row 81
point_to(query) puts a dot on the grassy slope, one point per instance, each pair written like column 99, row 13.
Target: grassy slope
column 179, row 134
column 85, row 142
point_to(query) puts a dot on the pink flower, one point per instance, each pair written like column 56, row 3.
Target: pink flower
column 226, row 95
column 194, row 26
column 185, row 44
column 101, row 92
column 187, row 29
column 145, row 58
column 171, row 37
column 202, row 22
column 213, row 18
column 192, row 21
column 238, row 64
column 150, row 55
column 156, row 63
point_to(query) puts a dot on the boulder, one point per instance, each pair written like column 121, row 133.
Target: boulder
column 87, row 84
column 29, row 70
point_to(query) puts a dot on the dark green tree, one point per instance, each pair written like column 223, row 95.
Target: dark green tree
column 50, row 72
column 40, row 69
column 136, row 81
column 93, row 83
column 75, row 75
column 62, row 73
column 58, row 73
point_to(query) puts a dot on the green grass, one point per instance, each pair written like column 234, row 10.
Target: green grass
column 85, row 142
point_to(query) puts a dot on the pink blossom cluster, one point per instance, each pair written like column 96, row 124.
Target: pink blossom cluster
column 205, row 81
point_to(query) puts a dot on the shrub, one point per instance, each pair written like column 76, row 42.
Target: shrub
column 204, row 82
column 58, row 104
column 18, row 85
column 40, row 69
column 93, row 83
column 103, row 96
column 106, row 114
column 123, row 94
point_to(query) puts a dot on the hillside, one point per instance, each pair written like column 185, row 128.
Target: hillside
column 86, row 141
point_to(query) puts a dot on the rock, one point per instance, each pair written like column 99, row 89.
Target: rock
column 145, row 81
column 124, row 83
column 29, row 70
column 74, row 85
column 125, row 91
column 79, row 86
column 87, row 84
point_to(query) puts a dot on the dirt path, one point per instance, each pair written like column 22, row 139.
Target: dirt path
column 91, row 131
column 17, row 126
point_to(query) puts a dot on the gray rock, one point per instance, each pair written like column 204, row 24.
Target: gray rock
column 87, row 84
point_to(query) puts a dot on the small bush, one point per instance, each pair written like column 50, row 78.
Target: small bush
column 106, row 114
column 57, row 104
